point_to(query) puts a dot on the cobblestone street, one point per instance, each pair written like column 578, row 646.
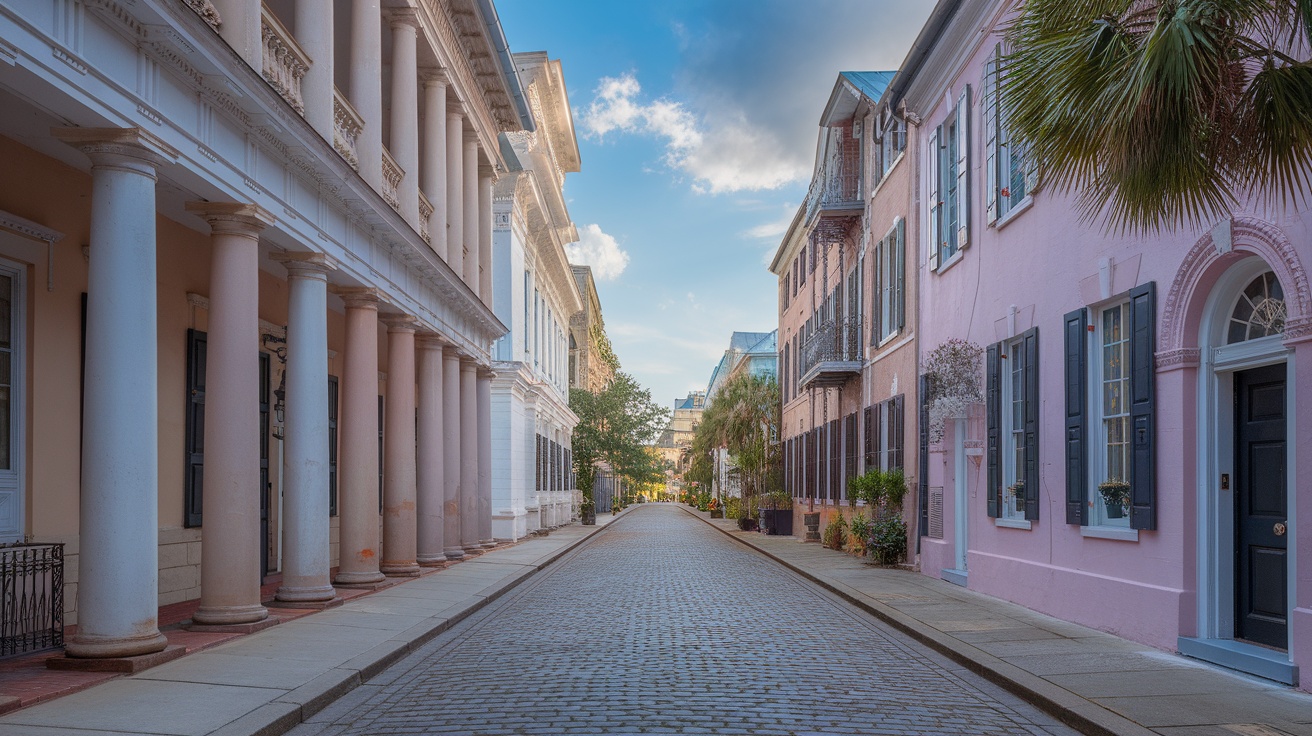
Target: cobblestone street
column 663, row 625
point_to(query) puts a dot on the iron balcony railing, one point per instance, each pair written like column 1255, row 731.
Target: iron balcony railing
column 837, row 186
column 31, row 598
column 836, row 341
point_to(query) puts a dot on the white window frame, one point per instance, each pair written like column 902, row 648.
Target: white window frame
column 1012, row 432
column 945, row 248
column 1002, row 202
column 15, row 477
column 1098, row 452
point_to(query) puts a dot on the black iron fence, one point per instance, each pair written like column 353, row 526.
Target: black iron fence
column 31, row 598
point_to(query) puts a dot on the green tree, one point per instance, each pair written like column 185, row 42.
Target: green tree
column 1163, row 113
column 743, row 418
column 615, row 426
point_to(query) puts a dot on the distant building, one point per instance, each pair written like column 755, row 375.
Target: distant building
column 677, row 437
column 535, row 297
column 591, row 362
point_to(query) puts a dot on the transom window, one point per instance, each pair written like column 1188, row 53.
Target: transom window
column 1260, row 310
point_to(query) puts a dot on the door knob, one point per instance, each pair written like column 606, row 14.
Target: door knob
column 1279, row 529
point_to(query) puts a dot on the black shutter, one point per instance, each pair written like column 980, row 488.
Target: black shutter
column 923, row 470
column 1143, row 475
column 993, row 414
column 870, row 436
column 896, row 430
column 1077, row 376
column 195, row 440
column 332, row 445
column 1030, row 379
column 851, row 452
column 877, row 295
column 537, row 462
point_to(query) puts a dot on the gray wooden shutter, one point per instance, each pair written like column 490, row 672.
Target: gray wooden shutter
column 963, row 168
column 935, row 206
column 877, row 296
column 896, row 428
column 991, row 157
column 869, row 438
column 900, row 274
column 1077, row 377
column 1143, row 471
column 993, row 413
column 192, row 489
column 923, row 470
column 1030, row 380
column 332, row 445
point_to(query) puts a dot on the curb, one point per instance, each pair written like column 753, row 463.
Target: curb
column 1079, row 713
column 297, row 706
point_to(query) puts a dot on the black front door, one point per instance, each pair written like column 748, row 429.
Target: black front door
column 1261, row 488
column 265, row 385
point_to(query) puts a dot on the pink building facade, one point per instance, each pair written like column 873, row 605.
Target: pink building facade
column 1138, row 459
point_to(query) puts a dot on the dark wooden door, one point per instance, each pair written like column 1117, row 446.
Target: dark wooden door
column 1261, row 497
column 265, row 385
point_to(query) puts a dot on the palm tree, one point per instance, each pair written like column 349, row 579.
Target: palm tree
column 1163, row 113
column 743, row 418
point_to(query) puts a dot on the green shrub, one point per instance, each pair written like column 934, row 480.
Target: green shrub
column 777, row 500
column 732, row 507
column 858, row 534
column 835, row 533
column 888, row 540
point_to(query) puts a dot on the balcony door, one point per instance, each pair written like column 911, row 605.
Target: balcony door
column 12, row 412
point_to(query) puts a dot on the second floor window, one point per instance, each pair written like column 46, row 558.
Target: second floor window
column 1008, row 170
column 893, row 141
column 949, row 195
column 888, row 300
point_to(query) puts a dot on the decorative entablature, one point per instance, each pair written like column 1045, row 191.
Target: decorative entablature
column 468, row 52
column 238, row 139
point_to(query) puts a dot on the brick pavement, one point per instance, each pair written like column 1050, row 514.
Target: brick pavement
column 662, row 625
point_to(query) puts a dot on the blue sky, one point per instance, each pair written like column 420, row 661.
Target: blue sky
column 697, row 124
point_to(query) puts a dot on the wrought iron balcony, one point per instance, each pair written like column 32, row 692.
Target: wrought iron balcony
column 836, row 189
column 831, row 356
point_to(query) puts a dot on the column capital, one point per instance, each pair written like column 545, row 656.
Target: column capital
column 237, row 218
column 359, row 297
column 110, row 146
column 455, row 108
column 433, row 76
column 486, row 373
column 403, row 17
column 432, row 340
column 400, row 322
column 305, row 264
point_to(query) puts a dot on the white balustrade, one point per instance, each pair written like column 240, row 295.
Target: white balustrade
column 347, row 127
column 285, row 63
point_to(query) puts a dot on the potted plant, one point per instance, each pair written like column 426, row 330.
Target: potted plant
column 777, row 513
column 588, row 512
column 717, row 511
column 1115, row 496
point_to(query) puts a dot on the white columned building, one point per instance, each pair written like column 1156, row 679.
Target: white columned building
column 534, row 294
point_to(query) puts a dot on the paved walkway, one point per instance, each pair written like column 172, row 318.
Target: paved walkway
column 662, row 625
column 1097, row 682
column 268, row 682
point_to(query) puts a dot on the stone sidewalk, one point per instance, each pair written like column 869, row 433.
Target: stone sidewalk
column 268, row 682
column 1095, row 682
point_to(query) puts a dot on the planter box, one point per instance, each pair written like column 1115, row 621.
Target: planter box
column 778, row 521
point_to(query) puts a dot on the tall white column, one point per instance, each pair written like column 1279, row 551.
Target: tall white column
column 434, row 166
column 399, row 450
column 230, row 573
column 485, row 459
column 305, row 561
column 469, row 496
column 241, row 29
column 314, row 32
column 358, row 436
column 430, row 479
column 366, row 94
column 455, row 188
column 485, row 235
column 118, row 594
column 405, row 110
column 451, row 457
column 470, row 199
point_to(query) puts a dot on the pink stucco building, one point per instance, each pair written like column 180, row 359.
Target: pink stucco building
column 1139, row 460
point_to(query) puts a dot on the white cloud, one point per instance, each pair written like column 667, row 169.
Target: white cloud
column 600, row 250
column 721, row 154
column 774, row 229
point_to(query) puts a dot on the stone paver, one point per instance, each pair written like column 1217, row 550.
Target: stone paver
column 662, row 625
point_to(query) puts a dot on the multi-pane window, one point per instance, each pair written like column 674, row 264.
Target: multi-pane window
column 1009, row 173
column 892, row 142
column 888, row 305
column 1013, row 506
column 1113, row 472
column 949, row 196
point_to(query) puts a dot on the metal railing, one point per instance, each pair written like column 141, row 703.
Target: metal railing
column 834, row 341
column 31, row 598
column 838, row 183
